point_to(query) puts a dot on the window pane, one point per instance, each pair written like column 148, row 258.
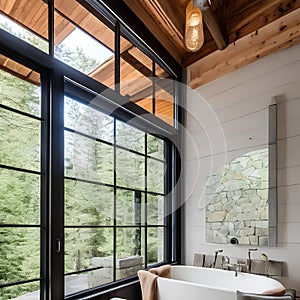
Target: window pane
column 13, row 292
column 27, row 20
column 88, row 204
column 130, row 137
column 20, row 254
column 19, row 197
column 85, row 44
column 18, row 93
column 155, row 245
column 155, row 147
column 155, row 210
column 89, row 279
column 20, row 135
column 130, row 207
column 130, row 251
column 164, row 96
column 88, row 159
column 84, row 119
column 84, row 245
column 155, row 175
column 19, row 141
column 136, row 76
column 130, row 169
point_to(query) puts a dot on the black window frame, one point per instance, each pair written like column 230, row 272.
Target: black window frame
column 53, row 75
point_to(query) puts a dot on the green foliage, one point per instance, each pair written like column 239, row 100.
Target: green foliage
column 25, row 35
column 76, row 58
column 89, row 204
column 19, row 191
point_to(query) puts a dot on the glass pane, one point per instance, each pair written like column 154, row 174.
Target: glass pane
column 85, row 44
column 19, row 197
column 19, row 141
column 18, row 93
column 27, row 20
column 20, row 256
column 83, row 246
column 27, row 291
column 88, row 204
column 136, row 76
column 164, row 95
column 88, row 159
column 130, row 251
column 155, row 210
column 130, row 207
column 130, row 137
column 84, row 119
column 155, row 245
column 86, row 280
column 155, row 176
column 155, row 147
column 130, row 169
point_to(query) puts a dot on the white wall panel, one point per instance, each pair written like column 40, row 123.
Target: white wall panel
column 239, row 104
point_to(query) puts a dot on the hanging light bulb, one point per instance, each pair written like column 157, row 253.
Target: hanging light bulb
column 194, row 36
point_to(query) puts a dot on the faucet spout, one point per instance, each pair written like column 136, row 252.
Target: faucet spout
column 216, row 256
column 265, row 257
column 249, row 259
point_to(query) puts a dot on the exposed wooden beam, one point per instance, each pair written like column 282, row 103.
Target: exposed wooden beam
column 159, row 26
column 280, row 34
column 243, row 18
column 211, row 22
column 214, row 29
column 138, row 65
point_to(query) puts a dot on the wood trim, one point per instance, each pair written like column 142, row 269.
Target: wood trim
column 281, row 34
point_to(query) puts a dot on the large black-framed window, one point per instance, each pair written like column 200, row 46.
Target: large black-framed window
column 54, row 226
column 115, row 196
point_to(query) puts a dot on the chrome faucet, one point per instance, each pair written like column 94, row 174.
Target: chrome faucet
column 216, row 256
column 266, row 259
column 249, row 259
column 238, row 268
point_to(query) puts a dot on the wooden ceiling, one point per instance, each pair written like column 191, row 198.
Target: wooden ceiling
column 251, row 29
column 236, row 32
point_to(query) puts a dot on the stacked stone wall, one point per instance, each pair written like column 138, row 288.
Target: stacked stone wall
column 237, row 201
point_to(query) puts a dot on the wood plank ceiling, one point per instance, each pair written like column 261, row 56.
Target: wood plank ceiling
column 236, row 32
column 251, row 29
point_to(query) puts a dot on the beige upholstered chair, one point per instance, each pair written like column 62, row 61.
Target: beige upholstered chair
column 248, row 296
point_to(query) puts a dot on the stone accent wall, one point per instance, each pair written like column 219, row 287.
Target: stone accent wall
column 237, row 201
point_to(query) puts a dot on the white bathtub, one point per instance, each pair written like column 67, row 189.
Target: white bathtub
column 196, row 283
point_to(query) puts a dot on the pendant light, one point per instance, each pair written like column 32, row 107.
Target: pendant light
column 194, row 36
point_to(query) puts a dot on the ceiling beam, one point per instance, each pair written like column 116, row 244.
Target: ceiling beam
column 244, row 17
column 280, row 34
column 162, row 22
column 211, row 22
column 214, row 29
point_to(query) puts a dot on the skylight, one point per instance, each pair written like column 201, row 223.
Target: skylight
column 82, row 52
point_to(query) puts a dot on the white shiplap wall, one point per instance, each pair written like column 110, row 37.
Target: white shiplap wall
column 239, row 101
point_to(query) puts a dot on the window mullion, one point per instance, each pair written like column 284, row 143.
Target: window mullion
column 44, row 200
column 146, row 216
column 57, row 188
column 115, row 208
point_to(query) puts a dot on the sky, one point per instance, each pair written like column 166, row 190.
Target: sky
column 89, row 45
column 77, row 37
